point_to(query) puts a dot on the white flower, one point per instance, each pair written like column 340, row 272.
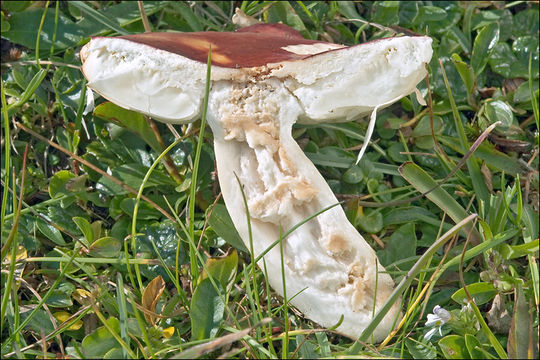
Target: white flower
column 439, row 317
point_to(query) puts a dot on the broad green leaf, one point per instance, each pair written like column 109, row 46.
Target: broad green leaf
column 106, row 247
column 515, row 251
column 145, row 211
column 353, row 175
column 481, row 292
column 50, row 232
column 370, row 221
column 305, row 349
column 422, row 132
column 401, row 245
column 100, row 17
column 166, row 241
column 503, row 61
column 485, row 41
column 100, row 341
column 222, row 269
column 59, row 299
column 86, row 229
column 132, row 175
column 454, row 347
column 332, row 156
column 189, row 16
column 465, row 71
column 421, row 350
column 430, row 13
column 221, row 223
column 207, row 310
column 408, row 214
column 386, row 12
column 518, row 338
column 39, row 322
column 57, row 183
column 526, row 22
column 130, row 120
column 282, row 11
column 499, row 111
column 473, row 345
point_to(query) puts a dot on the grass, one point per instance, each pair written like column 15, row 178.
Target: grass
column 114, row 243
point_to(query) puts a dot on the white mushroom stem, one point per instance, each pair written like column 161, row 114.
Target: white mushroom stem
column 325, row 259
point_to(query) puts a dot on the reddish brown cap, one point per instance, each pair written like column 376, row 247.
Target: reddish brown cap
column 252, row 46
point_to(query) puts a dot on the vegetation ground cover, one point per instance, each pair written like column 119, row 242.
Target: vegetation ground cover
column 116, row 242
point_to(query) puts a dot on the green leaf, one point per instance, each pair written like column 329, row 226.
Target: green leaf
column 331, row 156
column 518, row 338
column 430, row 13
column 86, row 229
column 59, row 299
column 504, row 62
column 165, row 239
column 99, row 17
column 50, row 232
column 106, row 247
column 130, row 120
column 454, row 347
column 222, row 269
column 422, row 132
column 465, row 71
column 490, row 155
column 305, row 349
column 420, row 350
column 473, row 345
column 145, row 211
column 499, row 111
column 57, row 184
column 353, row 175
column 401, row 245
column 206, row 312
column 526, row 22
column 187, row 13
column 100, row 341
column 386, row 12
column 132, row 175
column 485, row 41
column 481, row 292
column 221, row 223
column 370, row 221
column 422, row 182
column 282, row 11
column 39, row 323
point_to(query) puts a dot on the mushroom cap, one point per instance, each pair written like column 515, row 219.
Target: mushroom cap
column 163, row 74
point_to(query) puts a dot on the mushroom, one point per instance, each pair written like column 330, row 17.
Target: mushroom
column 264, row 78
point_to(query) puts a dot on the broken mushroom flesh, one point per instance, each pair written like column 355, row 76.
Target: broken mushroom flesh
column 264, row 78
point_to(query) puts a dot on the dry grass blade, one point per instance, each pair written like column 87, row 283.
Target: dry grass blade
column 202, row 349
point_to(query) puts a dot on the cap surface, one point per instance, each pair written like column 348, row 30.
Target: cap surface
column 163, row 74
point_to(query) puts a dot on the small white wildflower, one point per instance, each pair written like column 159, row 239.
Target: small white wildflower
column 439, row 317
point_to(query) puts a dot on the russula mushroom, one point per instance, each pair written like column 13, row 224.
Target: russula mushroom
column 264, row 78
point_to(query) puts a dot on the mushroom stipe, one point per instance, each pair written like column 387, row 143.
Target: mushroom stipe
column 264, row 78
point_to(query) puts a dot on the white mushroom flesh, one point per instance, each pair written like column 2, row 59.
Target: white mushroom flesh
column 329, row 268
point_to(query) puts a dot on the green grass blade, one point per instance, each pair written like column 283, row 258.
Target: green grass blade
column 422, row 182
column 99, row 17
